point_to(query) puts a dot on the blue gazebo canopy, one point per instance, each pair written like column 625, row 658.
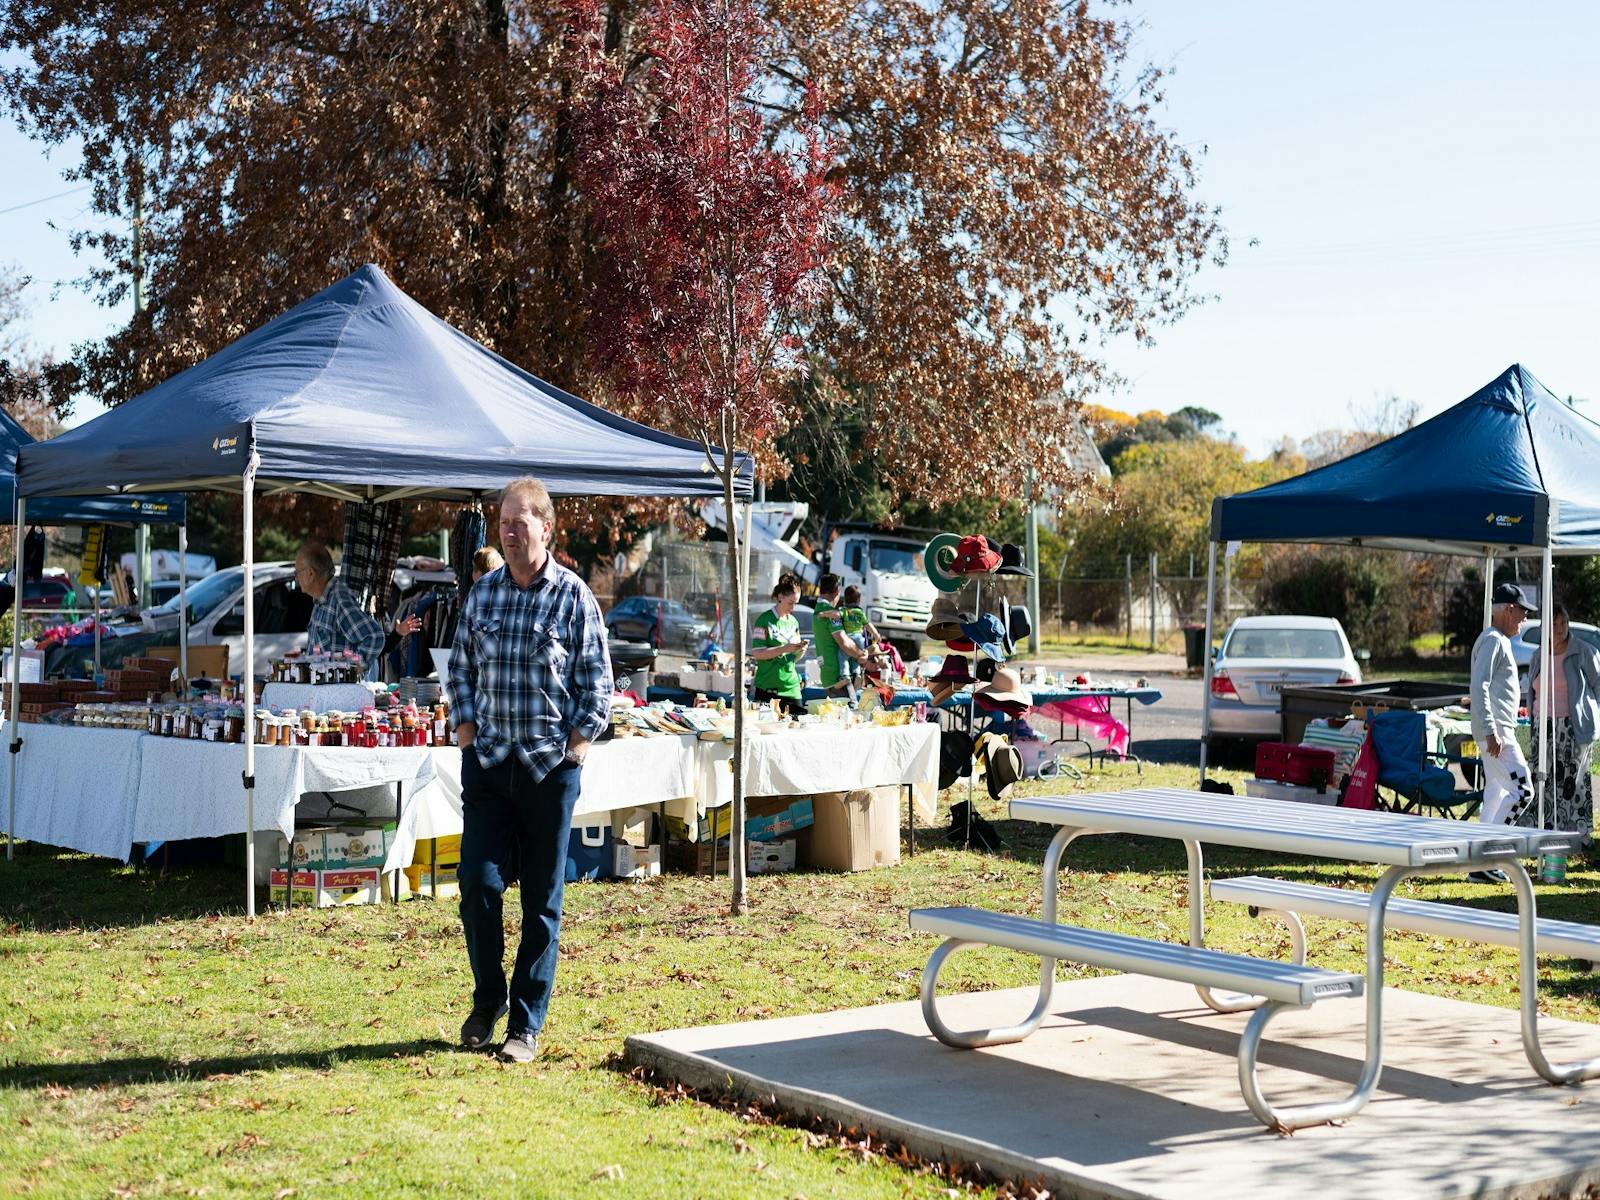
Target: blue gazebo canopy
column 361, row 393
column 1479, row 478
column 150, row 509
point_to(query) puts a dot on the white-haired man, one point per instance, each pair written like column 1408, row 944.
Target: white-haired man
column 1495, row 698
column 530, row 689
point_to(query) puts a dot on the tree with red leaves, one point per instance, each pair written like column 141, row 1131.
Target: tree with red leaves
column 711, row 242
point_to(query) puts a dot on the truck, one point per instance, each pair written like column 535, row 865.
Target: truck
column 886, row 564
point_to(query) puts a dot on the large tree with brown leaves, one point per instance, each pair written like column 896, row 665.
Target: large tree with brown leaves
column 1009, row 195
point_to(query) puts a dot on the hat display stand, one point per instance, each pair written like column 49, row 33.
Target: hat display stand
column 965, row 716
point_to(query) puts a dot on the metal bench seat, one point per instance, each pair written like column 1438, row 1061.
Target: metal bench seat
column 1567, row 938
column 1282, row 985
column 1291, row 983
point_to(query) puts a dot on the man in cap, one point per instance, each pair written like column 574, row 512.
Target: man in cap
column 338, row 622
column 1494, row 701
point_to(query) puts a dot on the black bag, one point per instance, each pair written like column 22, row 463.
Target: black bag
column 955, row 757
column 983, row 835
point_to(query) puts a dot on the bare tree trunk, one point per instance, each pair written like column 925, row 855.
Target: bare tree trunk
column 736, row 823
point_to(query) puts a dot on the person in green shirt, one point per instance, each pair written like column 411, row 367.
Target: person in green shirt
column 777, row 646
column 835, row 648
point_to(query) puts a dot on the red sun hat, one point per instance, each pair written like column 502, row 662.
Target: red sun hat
column 974, row 557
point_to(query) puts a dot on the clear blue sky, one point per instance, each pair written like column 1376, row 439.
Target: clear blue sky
column 1421, row 180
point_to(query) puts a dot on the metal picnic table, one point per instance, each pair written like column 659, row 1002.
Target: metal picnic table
column 1405, row 845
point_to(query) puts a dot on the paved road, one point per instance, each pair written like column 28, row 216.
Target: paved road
column 1168, row 731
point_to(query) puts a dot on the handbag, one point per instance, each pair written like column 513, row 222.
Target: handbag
column 1362, row 789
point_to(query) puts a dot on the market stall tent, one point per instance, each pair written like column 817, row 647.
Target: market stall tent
column 151, row 509
column 1509, row 471
column 360, row 393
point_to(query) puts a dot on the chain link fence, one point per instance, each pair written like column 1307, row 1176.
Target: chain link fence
column 1148, row 607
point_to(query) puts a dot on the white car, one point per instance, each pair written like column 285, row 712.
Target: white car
column 1260, row 657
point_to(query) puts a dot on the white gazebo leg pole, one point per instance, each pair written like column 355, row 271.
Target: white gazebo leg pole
column 1488, row 590
column 13, row 725
column 183, row 600
column 248, row 689
column 96, row 631
column 1205, row 658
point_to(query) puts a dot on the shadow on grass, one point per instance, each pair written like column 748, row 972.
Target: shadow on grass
column 46, row 888
column 114, row 1072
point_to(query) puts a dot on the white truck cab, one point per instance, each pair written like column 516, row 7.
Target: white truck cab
column 895, row 590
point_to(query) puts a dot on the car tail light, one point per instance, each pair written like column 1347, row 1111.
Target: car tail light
column 1221, row 685
column 1346, row 677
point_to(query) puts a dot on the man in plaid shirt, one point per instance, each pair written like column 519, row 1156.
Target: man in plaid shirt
column 337, row 621
column 530, row 689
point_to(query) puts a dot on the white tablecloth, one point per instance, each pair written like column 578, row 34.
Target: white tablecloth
column 194, row 789
column 802, row 762
column 625, row 773
column 322, row 697
column 76, row 787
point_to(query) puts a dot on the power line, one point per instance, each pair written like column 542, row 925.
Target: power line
column 45, row 199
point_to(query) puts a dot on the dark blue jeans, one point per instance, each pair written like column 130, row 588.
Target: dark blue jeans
column 514, row 828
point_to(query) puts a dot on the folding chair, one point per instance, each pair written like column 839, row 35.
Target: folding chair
column 1417, row 780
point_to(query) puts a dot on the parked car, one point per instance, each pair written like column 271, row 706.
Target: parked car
column 664, row 624
column 48, row 595
column 216, row 613
column 1260, row 656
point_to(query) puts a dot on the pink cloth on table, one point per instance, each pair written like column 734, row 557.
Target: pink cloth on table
column 1092, row 713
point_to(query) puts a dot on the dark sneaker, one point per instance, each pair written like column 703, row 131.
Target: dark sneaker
column 478, row 1029
column 520, row 1048
column 1490, row 876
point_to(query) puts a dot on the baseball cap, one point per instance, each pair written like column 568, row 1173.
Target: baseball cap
column 1510, row 593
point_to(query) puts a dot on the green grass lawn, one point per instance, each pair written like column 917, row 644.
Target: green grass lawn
column 155, row 1042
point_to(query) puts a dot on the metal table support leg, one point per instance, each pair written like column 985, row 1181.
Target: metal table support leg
column 1229, row 1002
column 974, row 1039
column 399, row 802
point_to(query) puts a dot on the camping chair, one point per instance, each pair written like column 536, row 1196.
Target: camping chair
column 1417, row 780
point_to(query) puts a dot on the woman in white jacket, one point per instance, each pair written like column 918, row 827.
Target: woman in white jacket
column 1575, row 706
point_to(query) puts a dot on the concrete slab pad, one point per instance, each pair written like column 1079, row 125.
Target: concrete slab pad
column 1130, row 1089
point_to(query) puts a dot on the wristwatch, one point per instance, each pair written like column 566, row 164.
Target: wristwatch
column 573, row 758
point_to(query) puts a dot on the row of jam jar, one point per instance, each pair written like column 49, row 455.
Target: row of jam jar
column 209, row 723
column 369, row 729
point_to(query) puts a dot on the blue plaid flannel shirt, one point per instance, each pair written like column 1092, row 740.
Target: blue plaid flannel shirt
column 530, row 667
column 339, row 623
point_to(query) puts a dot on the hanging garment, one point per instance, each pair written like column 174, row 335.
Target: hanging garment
column 363, row 534
column 33, row 556
column 466, row 539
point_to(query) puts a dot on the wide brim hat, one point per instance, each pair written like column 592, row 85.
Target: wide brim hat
column 1011, row 561
column 1009, row 708
column 1019, row 624
column 1004, row 768
column 938, row 559
column 1006, row 686
column 987, row 634
column 973, row 557
column 984, row 668
column 955, row 669
column 946, row 617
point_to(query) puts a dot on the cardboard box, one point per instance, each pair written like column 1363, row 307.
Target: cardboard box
column 339, row 847
column 635, row 862
column 331, row 889
column 769, row 858
column 305, row 887
column 695, row 858
column 422, row 878
column 796, row 816
column 760, row 813
column 352, row 885
column 431, row 849
column 856, row 831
